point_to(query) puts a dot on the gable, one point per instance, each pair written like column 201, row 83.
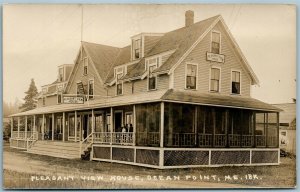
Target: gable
column 78, row 76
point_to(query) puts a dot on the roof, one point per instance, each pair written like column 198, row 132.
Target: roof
column 214, row 99
column 289, row 112
column 102, row 56
column 170, row 95
column 180, row 40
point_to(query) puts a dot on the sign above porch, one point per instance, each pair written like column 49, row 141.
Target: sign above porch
column 215, row 57
column 73, row 99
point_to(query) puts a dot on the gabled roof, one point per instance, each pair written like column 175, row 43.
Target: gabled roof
column 102, row 56
column 180, row 40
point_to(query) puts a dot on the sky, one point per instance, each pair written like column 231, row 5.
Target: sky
column 38, row 38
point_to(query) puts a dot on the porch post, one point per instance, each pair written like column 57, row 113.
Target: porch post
column 43, row 127
column 25, row 127
column 18, row 127
column 75, row 124
column 277, row 145
column 52, row 126
column 162, row 110
column 195, row 126
column 134, row 126
column 214, row 126
column 161, row 154
column 254, row 128
column 34, row 128
column 11, row 126
column 64, row 126
column 112, row 125
column 267, row 126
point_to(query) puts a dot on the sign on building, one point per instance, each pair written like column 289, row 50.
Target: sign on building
column 73, row 99
column 215, row 57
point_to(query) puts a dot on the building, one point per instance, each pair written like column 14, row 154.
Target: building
column 171, row 100
column 287, row 127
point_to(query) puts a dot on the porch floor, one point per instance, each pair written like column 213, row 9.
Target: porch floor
column 67, row 150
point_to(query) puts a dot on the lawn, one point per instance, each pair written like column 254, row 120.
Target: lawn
column 23, row 170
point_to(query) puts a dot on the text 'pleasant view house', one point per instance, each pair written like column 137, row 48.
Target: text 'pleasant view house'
column 168, row 100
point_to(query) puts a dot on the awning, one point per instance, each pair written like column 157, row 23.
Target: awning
column 216, row 99
column 190, row 97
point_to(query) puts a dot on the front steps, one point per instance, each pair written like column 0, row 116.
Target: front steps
column 67, row 150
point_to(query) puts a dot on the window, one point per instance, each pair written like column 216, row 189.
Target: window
column 91, row 89
column 136, row 49
column 44, row 101
column 119, row 83
column 80, row 89
column 85, row 66
column 235, row 82
column 215, row 80
column 191, row 76
column 152, row 78
column 59, row 98
column 61, row 74
column 215, row 42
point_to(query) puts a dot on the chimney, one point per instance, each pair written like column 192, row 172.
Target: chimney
column 189, row 18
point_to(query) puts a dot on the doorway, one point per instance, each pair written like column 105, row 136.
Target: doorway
column 85, row 124
column 118, row 121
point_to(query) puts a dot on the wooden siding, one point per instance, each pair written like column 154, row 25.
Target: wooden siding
column 49, row 100
column 98, row 86
column 198, row 56
column 140, row 86
column 150, row 41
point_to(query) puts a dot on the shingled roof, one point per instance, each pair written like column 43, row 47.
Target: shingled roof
column 180, row 40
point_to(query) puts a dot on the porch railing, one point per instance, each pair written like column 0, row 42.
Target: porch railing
column 113, row 138
column 184, row 139
column 21, row 134
column 205, row 140
column 148, row 138
column 220, row 140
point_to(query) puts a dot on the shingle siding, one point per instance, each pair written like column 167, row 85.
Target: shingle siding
column 98, row 86
column 198, row 56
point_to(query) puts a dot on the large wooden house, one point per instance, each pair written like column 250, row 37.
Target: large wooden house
column 168, row 100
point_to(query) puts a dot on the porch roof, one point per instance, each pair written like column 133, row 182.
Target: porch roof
column 146, row 97
column 191, row 97
column 215, row 99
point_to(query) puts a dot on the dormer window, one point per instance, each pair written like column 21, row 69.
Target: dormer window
column 151, row 65
column 215, row 42
column 61, row 74
column 136, row 48
column 85, row 66
column 44, row 90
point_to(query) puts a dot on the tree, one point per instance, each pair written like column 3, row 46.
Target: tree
column 30, row 98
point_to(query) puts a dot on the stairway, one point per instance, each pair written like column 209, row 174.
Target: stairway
column 67, row 150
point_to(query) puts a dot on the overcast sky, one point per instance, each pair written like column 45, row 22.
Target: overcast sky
column 38, row 38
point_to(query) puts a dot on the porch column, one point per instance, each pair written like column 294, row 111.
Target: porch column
column 25, row 127
column 254, row 128
column 134, row 126
column 52, row 127
column 75, row 124
column 34, row 128
column 43, row 127
column 214, row 127
column 64, row 125
column 11, row 126
column 267, row 126
column 277, row 129
column 111, row 126
column 93, row 124
column 195, row 126
column 18, row 127
column 162, row 111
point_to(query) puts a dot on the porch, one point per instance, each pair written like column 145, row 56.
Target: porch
column 160, row 134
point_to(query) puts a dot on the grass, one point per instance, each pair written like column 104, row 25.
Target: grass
column 283, row 175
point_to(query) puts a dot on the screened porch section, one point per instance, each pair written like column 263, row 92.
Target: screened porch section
column 206, row 127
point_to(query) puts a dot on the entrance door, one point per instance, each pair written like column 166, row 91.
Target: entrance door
column 118, row 122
